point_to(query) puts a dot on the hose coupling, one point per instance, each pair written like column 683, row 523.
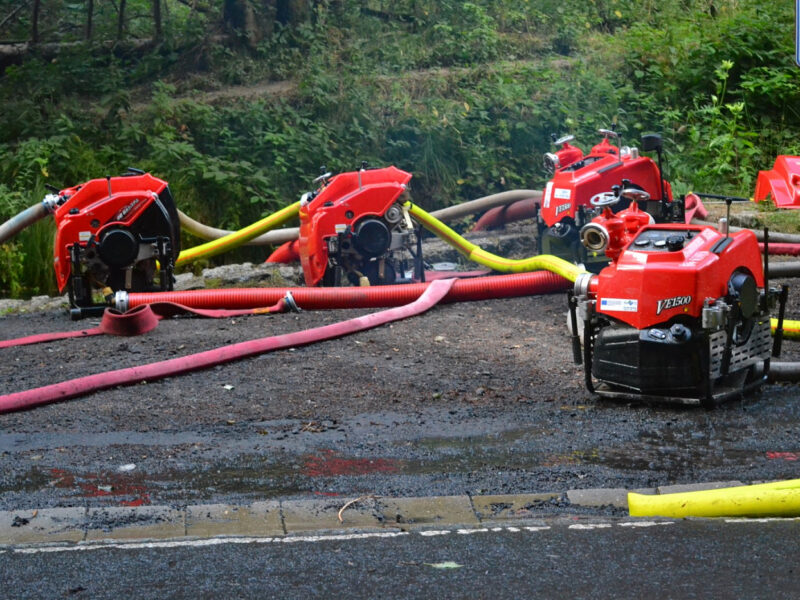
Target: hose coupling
column 291, row 302
column 121, row 301
column 51, row 202
column 582, row 283
column 594, row 237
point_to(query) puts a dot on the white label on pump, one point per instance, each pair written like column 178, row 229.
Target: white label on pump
column 84, row 236
column 548, row 191
column 563, row 194
column 619, row 304
column 340, row 228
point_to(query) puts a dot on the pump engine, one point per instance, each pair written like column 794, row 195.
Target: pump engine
column 354, row 230
column 680, row 314
column 117, row 233
column 577, row 178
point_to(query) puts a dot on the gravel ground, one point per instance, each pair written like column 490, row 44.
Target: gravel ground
column 478, row 397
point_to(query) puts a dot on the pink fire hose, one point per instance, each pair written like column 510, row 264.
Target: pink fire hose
column 431, row 295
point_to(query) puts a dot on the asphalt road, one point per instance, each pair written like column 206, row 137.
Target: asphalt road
column 479, row 398
column 558, row 558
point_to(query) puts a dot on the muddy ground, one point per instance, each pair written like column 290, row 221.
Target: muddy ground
column 470, row 398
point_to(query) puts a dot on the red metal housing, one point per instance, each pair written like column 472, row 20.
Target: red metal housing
column 650, row 283
column 93, row 208
column 781, row 184
column 340, row 204
column 574, row 184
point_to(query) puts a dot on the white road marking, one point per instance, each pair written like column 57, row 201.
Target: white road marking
column 469, row 531
column 342, row 536
column 219, row 541
column 760, row 519
column 81, row 546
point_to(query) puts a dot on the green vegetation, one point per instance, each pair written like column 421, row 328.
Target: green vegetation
column 238, row 110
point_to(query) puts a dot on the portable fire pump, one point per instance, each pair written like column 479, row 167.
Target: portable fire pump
column 355, row 230
column 577, row 178
column 117, row 233
column 680, row 314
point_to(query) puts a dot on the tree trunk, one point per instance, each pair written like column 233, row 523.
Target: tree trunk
column 157, row 18
column 35, row 21
column 292, row 12
column 121, row 20
column 89, row 18
column 252, row 20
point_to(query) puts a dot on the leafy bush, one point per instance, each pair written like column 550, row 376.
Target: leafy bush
column 463, row 95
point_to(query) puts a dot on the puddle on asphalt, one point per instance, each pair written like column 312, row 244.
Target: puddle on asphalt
column 492, row 439
column 673, row 450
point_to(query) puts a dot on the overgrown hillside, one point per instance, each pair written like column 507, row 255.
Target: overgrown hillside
column 238, row 103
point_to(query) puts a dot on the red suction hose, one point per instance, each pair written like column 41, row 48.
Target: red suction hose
column 430, row 296
column 500, row 215
column 319, row 298
column 526, row 209
column 288, row 252
column 782, row 249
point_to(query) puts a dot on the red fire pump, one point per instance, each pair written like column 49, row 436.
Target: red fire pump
column 120, row 233
column 354, row 230
column 681, row 313
column 781, row 183
column 577, row 178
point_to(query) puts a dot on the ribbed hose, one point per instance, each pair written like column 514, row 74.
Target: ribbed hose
column 482, row 257
column 237, row 238
column 274, row 238
column 26, row 218
column 463, row 290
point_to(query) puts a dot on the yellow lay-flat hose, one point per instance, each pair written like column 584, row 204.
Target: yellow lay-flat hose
column 776, row 499
column 482, row 257
column 237, row 238
column 791, row 329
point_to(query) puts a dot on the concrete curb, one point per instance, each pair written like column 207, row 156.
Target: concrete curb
column 298, row 517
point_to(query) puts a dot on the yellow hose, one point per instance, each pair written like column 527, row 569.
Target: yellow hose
column 791, row 329
column 237, row 238
column 776, row 499
column 482, row 257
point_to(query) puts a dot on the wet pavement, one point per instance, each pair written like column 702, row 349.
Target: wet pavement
column 430, row 452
